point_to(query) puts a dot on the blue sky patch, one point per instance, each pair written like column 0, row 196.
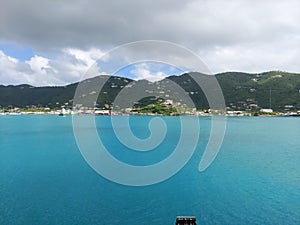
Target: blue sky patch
column 21, row 53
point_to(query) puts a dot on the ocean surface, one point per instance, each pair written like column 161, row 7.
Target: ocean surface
column 44, row 179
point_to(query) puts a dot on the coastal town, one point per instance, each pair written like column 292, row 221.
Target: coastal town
column 273, row 93
column 160, row 108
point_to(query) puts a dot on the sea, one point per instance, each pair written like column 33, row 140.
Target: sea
column 45, row 179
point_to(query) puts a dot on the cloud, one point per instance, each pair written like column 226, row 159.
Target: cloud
column 251, row 57
column 105, row 24
column 39, row 65
column 143, row 71
column 69, row 67
column 10, row 65
column 227, row 35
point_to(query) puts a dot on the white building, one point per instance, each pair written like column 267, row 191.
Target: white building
column 266, row 110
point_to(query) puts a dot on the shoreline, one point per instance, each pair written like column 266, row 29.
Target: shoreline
column 199, row 114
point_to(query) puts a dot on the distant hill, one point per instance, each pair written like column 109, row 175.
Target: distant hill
column 273, row 89
column 54, row 97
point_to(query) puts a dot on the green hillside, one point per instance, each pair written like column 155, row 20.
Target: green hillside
column 273, row 89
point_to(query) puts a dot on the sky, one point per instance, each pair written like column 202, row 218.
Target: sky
column 55, row 42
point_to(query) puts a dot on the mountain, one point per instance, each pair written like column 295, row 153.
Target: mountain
column 54, row 97
column 275, row 89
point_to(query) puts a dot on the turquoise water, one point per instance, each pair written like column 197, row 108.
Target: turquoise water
column 255, row 179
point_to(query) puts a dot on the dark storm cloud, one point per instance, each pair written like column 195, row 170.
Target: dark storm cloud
column 56, row 24
column 197, row 24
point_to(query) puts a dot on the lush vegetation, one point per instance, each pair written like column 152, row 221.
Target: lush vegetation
column 152, row 105
column 274, row 89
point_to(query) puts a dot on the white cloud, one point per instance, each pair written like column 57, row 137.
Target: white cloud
column 143, row 71
column 7, row 62
column 66, row 68
column 87, row 58
column 11, row 66
column 39, row 64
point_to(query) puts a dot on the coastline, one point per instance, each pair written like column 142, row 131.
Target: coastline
column 111, row 113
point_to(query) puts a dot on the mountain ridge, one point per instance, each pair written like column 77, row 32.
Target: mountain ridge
column 273, row 89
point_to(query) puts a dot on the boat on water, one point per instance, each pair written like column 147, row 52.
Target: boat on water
column 185, row 220
column 292, row 114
